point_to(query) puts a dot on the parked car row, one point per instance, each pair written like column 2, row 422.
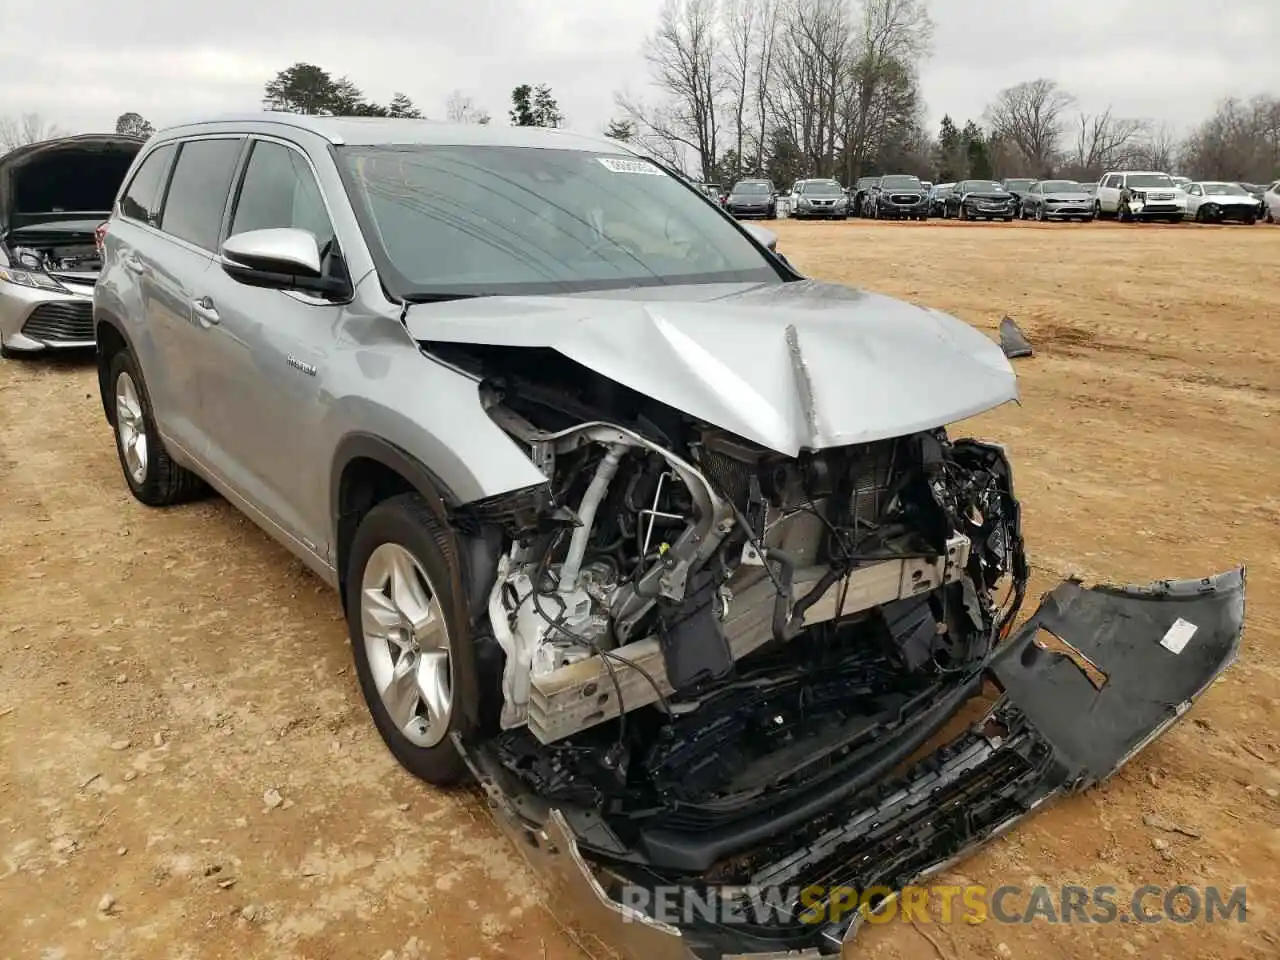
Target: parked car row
column 1127, row 196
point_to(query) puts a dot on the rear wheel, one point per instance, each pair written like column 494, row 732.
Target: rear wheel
column 152, row 475
column 407, row 622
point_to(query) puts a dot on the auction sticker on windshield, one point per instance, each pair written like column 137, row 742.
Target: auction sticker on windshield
column 619, row 165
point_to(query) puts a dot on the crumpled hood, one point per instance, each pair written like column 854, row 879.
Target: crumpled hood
column 791, row 366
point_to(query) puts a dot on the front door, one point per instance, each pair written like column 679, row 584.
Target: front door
column 263, row 389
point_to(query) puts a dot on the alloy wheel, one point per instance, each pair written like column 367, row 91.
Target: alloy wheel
column 131, row 428
column 407, row 644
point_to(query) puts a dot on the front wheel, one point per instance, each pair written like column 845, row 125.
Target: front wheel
column 408, row 629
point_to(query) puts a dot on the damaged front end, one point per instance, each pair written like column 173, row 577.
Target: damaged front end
column 719, row 664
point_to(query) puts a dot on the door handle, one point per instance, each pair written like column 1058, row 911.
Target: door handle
column 134, row 264
column 203, row 308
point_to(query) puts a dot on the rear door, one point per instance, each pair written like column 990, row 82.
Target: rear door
column 124, row 288
column 265, row 361
column 176, row 257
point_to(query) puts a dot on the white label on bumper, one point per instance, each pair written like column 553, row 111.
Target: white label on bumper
column 1176, row 637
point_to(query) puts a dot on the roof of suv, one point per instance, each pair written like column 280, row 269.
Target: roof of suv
column 387, row 130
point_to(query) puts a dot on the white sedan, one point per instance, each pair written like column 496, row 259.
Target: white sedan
column 1213, row 201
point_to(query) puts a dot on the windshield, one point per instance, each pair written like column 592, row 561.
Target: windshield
column 1225, row 190
column 1148, row 180
column 1059, row 186
column 1018, row 184
column 475, row 220
column 983, row 186
column 751, row 188
column 900, row 183
column 823, row 188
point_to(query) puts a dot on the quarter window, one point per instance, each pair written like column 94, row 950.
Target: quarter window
column 198, row 191
column 279, row 190
column 141, row 201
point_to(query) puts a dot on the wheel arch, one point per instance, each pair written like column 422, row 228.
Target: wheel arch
column 111, row 338
column 366, row 470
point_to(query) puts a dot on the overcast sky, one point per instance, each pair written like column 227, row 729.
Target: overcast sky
column 81, row 65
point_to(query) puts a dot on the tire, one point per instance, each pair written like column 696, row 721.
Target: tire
column 1097, row 210
column 1040, row 217
column 1250, row 219
column 152, row 475
column 961, row 213
column 403, row 534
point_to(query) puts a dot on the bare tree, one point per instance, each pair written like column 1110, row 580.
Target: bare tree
column 24, row 129
column 813, row 59
column 654, row 131
column 1160, row 149
column 460, row 108
column 1030, row 117
column 764, row 71
column 1239, row 141
column 1106, row 142
column 740, row 19
column 682, row 54
column 894, row 36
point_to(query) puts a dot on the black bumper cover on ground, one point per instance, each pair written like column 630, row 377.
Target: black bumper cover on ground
column 1090, row 679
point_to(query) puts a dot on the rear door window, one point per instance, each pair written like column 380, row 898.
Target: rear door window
column 198, row 191
column 141, row 201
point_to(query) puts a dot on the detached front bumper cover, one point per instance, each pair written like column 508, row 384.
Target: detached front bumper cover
column 1089, row 680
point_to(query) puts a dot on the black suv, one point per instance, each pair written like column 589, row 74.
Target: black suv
column 753, row 198
column 898, row 198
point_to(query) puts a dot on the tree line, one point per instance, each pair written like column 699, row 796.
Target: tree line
column 830, row 88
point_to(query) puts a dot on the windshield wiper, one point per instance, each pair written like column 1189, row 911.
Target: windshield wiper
column 438, row 296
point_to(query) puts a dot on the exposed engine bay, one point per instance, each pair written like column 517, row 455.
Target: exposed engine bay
column 691, row 625
column 56, row 254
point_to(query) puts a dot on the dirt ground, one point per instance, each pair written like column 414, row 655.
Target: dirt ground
column 161, row 672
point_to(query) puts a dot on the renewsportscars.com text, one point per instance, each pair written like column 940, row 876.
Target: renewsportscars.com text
column 944, row 903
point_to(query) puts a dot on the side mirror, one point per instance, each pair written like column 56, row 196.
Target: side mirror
column 280, row 258
column 763, row 235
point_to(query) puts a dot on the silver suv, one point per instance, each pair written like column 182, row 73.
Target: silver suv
column 664, row 543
